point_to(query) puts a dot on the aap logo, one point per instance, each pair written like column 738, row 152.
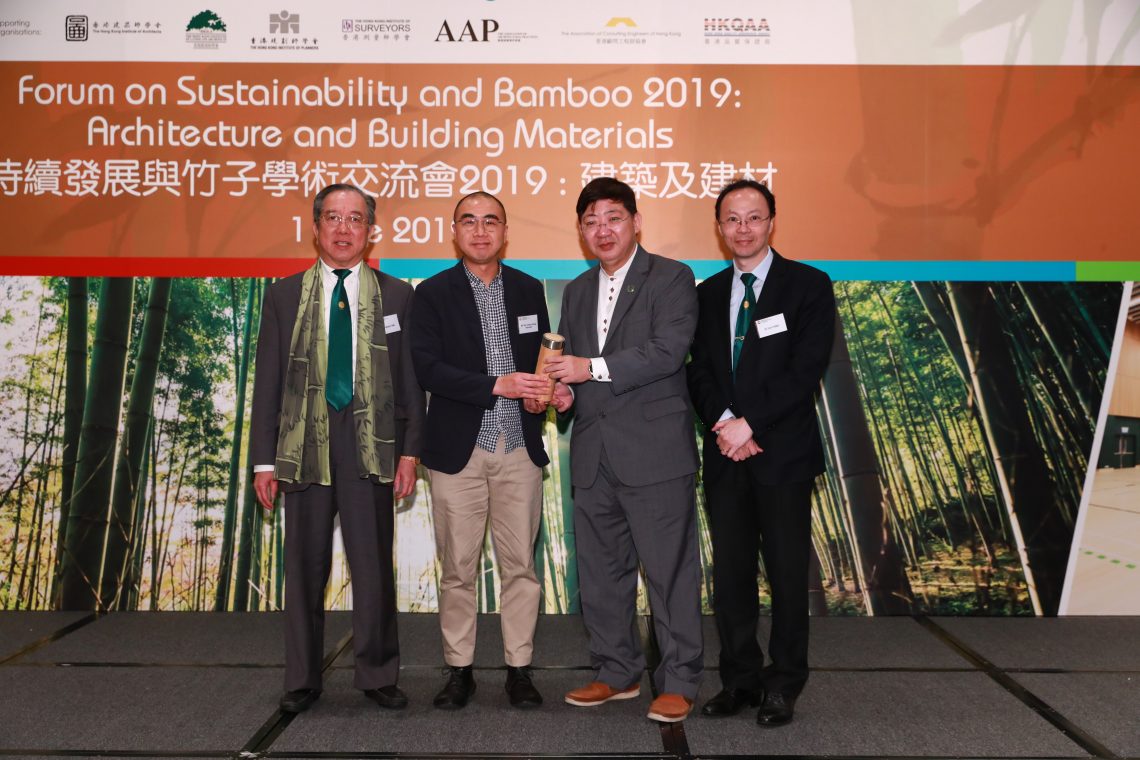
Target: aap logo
column 479, row 30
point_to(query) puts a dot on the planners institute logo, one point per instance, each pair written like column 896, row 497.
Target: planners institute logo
column 285, row 33
column 206, row 31
column 737, row 30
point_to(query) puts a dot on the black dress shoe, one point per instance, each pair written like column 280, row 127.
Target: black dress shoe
column 388, row 697
column 731, row 701
column 298, row 700
column 521, row 690
column 458, row 689
column 776, row 709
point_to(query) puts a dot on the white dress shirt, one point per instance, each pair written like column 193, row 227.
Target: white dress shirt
column 609, row 289
column 736, row 297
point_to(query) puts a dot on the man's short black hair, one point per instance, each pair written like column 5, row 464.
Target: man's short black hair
column 606, row 189
column 742, row 184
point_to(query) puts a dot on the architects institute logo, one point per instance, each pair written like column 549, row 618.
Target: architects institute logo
column 122, row 26
column 284, row 34
column 75, row 28
column 735, row 30
column 206, row 31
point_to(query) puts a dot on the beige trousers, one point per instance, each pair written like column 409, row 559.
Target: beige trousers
column 507, row 488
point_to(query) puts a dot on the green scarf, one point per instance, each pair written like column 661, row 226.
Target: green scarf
column 303, row 437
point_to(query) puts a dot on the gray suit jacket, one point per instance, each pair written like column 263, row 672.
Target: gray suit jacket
column 642, row 418
column 282, row 299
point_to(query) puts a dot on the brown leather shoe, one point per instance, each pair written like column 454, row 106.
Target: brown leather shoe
column 596, row 693
column 670, row 708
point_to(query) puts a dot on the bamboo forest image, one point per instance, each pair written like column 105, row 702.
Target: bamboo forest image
column 957, row 419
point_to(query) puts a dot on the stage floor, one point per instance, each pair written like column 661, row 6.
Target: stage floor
column 189, row 685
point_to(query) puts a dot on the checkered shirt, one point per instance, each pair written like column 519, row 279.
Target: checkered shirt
column 504, row 417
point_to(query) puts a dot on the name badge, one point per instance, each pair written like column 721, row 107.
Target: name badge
column 528, row 324
column 771, row 325
column 391, row 323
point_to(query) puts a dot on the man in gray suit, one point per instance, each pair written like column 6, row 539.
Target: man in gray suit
column 628, row 324
column 337, row 424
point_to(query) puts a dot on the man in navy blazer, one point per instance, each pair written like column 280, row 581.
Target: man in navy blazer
column 475, row 336
column 764, row 335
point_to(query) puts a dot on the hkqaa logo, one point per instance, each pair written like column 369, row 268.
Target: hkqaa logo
column 735, row 30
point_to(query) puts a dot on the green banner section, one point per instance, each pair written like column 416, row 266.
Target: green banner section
column 1108, row 271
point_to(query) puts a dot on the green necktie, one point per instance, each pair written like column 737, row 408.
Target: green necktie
column 338, row 378
column 743, row 317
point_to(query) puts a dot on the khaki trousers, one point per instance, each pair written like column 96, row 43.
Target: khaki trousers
column 507, row 488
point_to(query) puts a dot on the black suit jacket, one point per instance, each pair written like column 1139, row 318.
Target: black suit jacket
column 278, row 314
column 451, row 362
column 777, row 376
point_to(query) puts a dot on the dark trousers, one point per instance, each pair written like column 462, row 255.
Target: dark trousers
column 617, row 526
column 748, row 519
column 365, row 510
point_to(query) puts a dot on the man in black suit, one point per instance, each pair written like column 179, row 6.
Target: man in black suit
column 763, row 339
column 475, row 343
column 336, row 424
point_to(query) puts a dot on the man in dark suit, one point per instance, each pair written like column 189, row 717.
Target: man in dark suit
column 628, row 324
column 763, row 340
column 337, row 422
column 475, row 342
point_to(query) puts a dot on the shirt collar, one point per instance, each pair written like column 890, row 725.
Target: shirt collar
column 623, row 270
column 476, row 280
column 761, row 270
column 329, row 270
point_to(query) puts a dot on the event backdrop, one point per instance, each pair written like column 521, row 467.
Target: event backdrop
column 966, row 172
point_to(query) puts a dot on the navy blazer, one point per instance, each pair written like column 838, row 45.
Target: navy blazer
column 777, row 376
column 451, row 362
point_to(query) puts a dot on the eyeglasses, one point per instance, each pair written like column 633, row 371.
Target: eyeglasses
column 469, row 223
column 752, row 220
column 593, row 223
column 334, row 219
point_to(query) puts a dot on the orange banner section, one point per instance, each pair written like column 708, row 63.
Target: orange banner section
column 205, row 164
